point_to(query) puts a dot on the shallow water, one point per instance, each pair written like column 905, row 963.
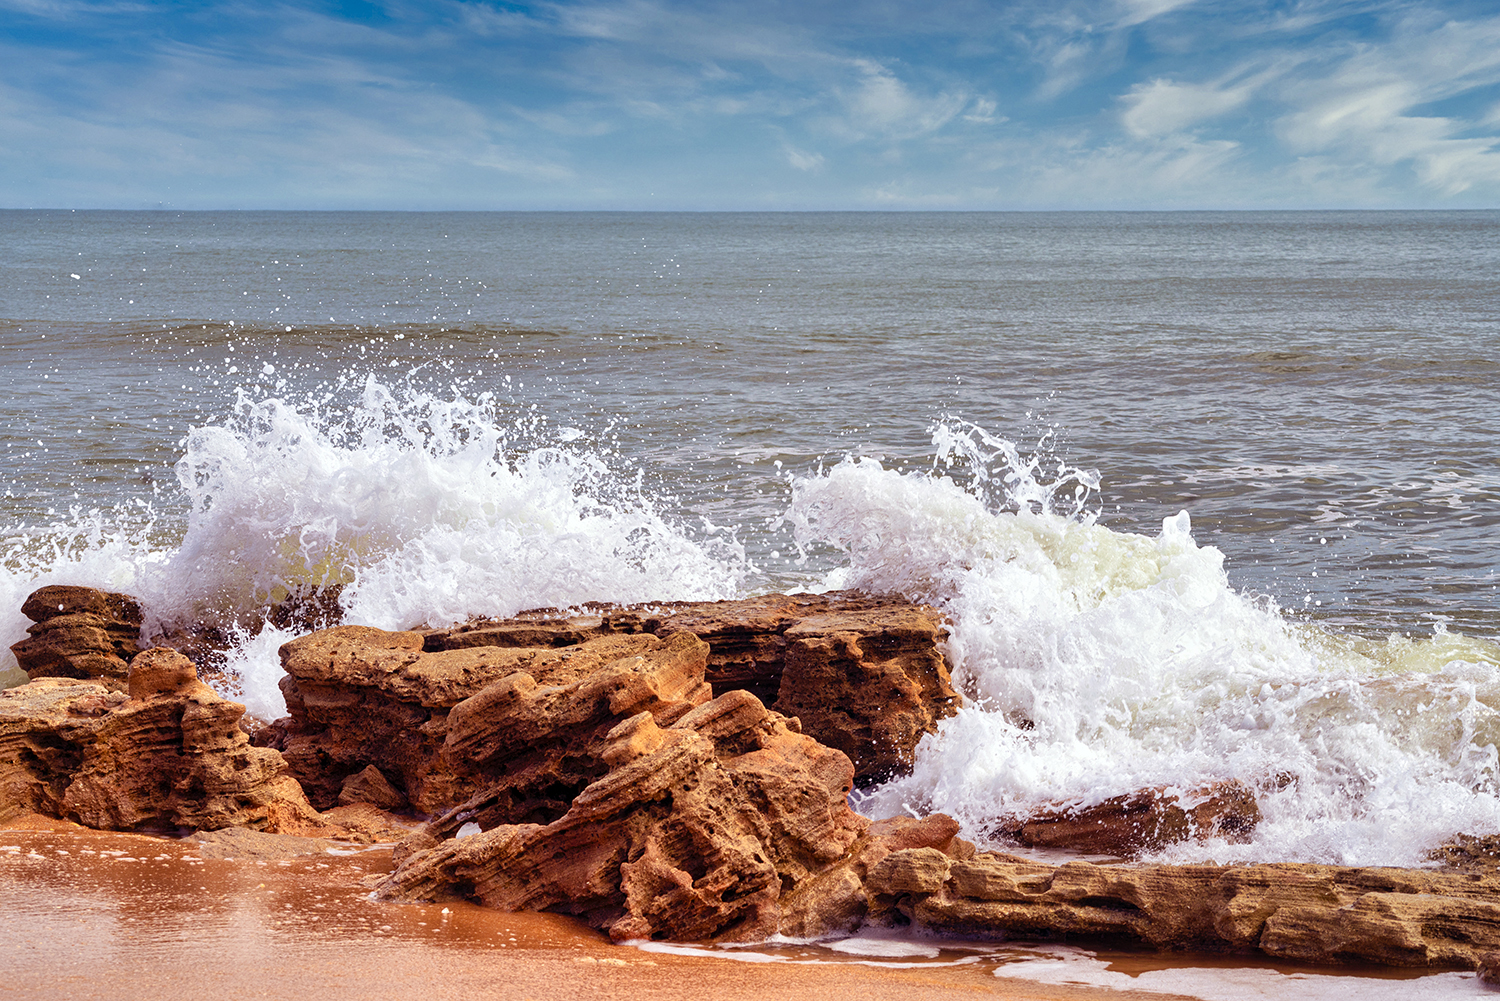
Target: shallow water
column 1005, row 415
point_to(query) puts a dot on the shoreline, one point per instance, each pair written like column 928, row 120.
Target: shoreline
column 131, row 916
column 142, row 916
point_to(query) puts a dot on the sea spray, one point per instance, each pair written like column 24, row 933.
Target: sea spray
column 420, row 507
column 423, row 511
column 1099, row 662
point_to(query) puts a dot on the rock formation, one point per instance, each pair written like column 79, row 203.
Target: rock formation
column 168, row 754
column 1305, row 913
column 581, row 765
column 865, row 674
column 80, row 632
column 518, row 727
column 1142, row 820
column 696, row 831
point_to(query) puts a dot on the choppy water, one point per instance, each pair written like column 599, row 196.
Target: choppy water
column 1003, row 414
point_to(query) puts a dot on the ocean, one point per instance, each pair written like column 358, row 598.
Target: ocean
column 1202, row 495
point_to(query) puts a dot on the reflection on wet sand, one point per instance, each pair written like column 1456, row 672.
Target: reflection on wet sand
column 88, row 914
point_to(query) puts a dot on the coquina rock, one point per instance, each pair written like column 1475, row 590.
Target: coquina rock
column 864, row 673
column 696, row 831
column 166, row 754
column 1305, row 913
column 1143, row 820
column 80, row 632
column 519, row 728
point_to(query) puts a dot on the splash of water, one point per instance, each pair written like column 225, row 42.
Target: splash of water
column 418, row 505
column 1099, row 662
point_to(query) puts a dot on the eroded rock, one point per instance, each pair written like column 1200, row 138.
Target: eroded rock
column 80, row 632
column 372, row 787
column 864, row 674
column 1143, row 820
column 1307, row 913
column 487, row 733
column 169, row 755
column 695, row 831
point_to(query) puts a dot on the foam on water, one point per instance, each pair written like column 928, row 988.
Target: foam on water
column 420, row 506
column 1095, row 662
column 422, row 509
column 1098, row 662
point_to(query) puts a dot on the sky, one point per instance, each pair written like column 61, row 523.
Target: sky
column 651, row 104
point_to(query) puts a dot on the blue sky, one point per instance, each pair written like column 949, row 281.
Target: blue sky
column 640, row 104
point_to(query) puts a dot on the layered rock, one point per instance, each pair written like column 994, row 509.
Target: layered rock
column 695, row 831
column 80, row 632
column 865, row 674
column 1143, row 820
column 519, row 728
column 168, row 754
column 1307, row 913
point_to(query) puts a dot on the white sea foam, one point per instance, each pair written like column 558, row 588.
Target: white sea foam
column 1064, row 965
column 1098, row 662
column 418, row 505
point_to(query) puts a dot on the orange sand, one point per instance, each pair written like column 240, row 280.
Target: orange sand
column 86, row 914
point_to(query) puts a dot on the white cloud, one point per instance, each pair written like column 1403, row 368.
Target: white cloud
column 65, row 9
column 882, row 104
column 801, row 160
column 1181, row 172
column 982, row 112
column 1162, row 107
column 1365, row 109
column 1140, row 11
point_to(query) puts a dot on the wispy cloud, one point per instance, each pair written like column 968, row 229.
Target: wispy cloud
column 1367, row 108
column 597, row 103
column 879, row 103
column 1161, row 107
column 803, row 160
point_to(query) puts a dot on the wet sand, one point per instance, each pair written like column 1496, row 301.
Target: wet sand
column 86, row 914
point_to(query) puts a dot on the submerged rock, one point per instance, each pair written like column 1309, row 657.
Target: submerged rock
column 695, row 831
column 169, row 754
column 80, row 632
column 1143, row 820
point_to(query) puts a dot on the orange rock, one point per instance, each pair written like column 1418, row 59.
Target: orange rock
column 518, row 727
column 693, row 832
column 80, row 632
column 371, row 787
column 171, row 757
column 863, row 673
column 1297, row 912
column 163, row 672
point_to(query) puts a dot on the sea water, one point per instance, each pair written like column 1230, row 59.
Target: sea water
column 1202, row 495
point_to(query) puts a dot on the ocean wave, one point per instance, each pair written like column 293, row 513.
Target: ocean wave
column 1100, row 662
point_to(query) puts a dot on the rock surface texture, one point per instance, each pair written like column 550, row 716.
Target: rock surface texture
column 865, row 674
column 1143, row 820
column 696, row 831
column 80, row 632
column 519, row 728
column 168, row 754
column 1306, row 913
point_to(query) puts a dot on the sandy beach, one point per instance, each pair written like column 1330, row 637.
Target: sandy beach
column 88, row 914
